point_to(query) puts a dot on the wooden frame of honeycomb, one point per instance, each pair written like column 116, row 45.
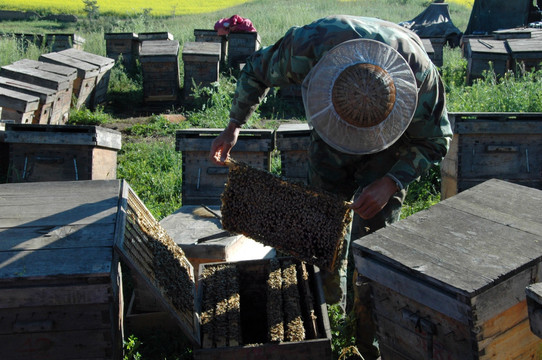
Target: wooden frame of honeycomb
column 290, row 217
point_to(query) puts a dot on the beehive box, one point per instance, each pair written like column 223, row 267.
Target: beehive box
column 534, row 307
column 480, row 52
column 158, row 35
column 203, row 35
column 203, row 182
column 241, row 45
column 47, row 98
column 160, row 68
column 18, row 107
column 61, row 152
column 60, row 282
column 429, row 49
column 123, row 44
column 437, row 45
column 199, row 233
column 59, row 42
column 60, row 83
column 104, row 64
column 449, row 282
column 506, row 146
column 85, row 81
column 293, row 143
column 201, row 64
column 526, row 53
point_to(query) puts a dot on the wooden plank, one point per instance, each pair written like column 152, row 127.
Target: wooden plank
column 18, row 101
column 55, row 237
column 499, row 127
column 84, row 69
column 46, row 95
column 55, row 262
column 517, row 342
column 36, row 77
column 67, row 71
column 104, row 63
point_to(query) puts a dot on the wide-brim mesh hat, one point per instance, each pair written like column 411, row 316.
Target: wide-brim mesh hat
column 360, row 97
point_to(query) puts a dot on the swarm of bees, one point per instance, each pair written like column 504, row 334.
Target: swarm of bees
column 291, row 217
column 289, row 303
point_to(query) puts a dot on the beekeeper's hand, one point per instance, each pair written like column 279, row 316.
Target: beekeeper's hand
column 223, row 143
column 374, row 197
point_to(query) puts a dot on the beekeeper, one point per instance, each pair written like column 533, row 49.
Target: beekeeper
column 376, row 107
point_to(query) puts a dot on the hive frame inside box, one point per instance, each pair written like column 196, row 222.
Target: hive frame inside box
column 131, row 251
column 203, row 182
column 429, row 302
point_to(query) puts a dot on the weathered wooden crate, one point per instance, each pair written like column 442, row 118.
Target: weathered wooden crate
column 59, row 42
column 292, row 141
column 18, row 107
column 201, row 64
column 60, row 282
column 158, row 35
column 47, row 97
column 160, row 68
column 449, row 282
column 61, row 83
column 125, row 45
column 506, row 146
column 437, row 45
column 485, row 54
column 61, row 152
column 525, row 53
column 105, row 65
column 241, row 45
column 84, row 83
column 203, row 35
column 203, row 182
column 199, row 233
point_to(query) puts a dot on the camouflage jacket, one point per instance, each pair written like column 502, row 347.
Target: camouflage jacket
column 290, row 59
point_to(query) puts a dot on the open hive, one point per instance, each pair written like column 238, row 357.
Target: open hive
column 254, row 302
column 292, row 218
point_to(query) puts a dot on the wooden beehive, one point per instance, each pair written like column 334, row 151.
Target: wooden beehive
column 47, row 98
column 59, row 42
column 526, row 53
column 61, row 152
column 62, row 84
column 203, row 35
column 104, row 64
column 484, row 54
column 533, row 293
column 125, row 45
column 201, row 64
column 293, row 143
column 60, row 282
column 18, row 107
column 241, row 45
column 449, row 282
column 160, row 68
column 158, row 35
column 506, row 146
column 429, row 49
column 203, row 240
column 85, row 81
column 437, row 47
column 203, row 182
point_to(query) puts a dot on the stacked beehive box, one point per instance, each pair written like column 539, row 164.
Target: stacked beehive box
column 240, row 46
column 61, row 152
column 201, row 64
column 506, row 146
column 60, row 283
column 449, row 282
column 18, row 107
column 293, row 144
column 202, row 35
column 160, row 68
column 59, row 42
column 125, row 45
column 41, row 74
column 85, row 82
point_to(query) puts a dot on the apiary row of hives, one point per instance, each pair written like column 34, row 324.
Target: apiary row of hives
column 40, row 91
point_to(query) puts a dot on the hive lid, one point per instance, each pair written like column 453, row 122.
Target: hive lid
column 201, row 139
column 459, row 248
column 158, row 262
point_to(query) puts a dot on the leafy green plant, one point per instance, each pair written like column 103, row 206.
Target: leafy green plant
column 157, row 126
column 130, row 348
column 342, row 330
column 85, row 116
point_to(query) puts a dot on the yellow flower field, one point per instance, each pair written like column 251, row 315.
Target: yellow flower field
column 124, row 7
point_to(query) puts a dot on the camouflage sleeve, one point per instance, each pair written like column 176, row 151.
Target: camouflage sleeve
column 428, row 137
